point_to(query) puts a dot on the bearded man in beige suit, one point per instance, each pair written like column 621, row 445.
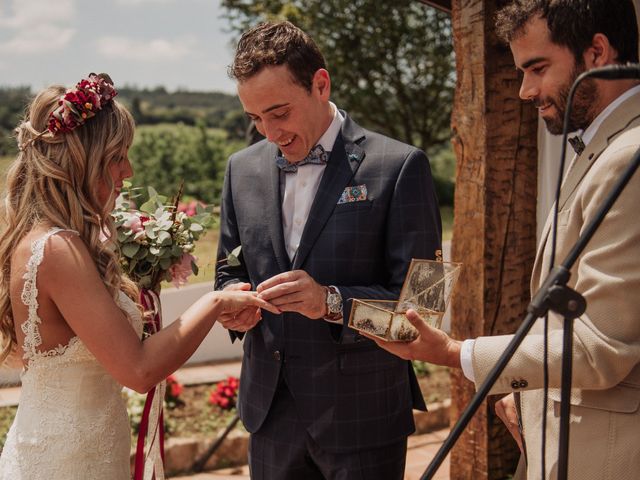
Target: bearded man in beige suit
column 552, row 42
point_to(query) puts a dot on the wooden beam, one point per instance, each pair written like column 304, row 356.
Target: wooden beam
column 494, row 138
column 444, row 5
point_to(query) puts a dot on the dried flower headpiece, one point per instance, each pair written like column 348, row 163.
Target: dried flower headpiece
column 79, row 104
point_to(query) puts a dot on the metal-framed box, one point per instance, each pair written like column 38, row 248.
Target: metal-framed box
column 427, row 289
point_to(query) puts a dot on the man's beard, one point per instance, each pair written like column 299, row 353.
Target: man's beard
column 581, row 110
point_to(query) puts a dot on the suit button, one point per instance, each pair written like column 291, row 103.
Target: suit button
column 516, row 384
column 277, row 355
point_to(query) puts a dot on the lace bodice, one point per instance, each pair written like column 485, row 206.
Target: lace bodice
column 71, row 421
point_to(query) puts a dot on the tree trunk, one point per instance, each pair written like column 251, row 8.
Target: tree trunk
column 494, row 138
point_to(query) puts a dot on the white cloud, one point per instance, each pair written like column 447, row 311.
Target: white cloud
column 38, row 26
column 39, row 39
column 146, row 50
column 28, row 13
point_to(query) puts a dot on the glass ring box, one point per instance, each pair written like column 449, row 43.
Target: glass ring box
column 427, row 289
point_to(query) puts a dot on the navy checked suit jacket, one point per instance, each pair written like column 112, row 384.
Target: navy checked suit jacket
column 351, row 394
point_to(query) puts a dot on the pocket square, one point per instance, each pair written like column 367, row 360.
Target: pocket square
column 356, row 193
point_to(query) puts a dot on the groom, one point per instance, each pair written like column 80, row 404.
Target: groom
column 325, row 211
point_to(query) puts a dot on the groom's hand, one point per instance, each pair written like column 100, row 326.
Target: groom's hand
column 295, row 291
column 243, row 320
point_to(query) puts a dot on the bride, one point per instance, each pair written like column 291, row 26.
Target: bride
column 64, row 305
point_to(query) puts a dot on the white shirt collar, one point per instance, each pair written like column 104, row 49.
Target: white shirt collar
column 328, row 138
column 591, row 130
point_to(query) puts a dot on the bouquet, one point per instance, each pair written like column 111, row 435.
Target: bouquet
column 157, row 240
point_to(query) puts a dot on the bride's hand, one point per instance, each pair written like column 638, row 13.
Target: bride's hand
column 233, row 301
column 241, row 309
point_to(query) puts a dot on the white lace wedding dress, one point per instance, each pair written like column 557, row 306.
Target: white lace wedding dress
column 71, row 421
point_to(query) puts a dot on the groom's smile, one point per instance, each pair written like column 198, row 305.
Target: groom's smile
column 286, row 113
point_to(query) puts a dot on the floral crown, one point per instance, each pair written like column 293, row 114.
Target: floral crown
column 82, row 103
column 77, row 105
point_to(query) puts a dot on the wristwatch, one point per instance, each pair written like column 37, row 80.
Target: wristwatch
column 334, row 303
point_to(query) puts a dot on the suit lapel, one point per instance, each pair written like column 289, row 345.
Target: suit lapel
column 616, row 122
column 273, row 213
column 580, row 168
column 342, row 165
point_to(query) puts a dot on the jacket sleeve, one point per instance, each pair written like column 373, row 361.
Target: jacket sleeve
column 229, row 239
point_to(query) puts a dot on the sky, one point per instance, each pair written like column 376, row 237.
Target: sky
column 178, row 44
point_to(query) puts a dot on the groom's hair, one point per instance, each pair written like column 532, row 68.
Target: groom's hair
column 273, row 44
column 573, row 23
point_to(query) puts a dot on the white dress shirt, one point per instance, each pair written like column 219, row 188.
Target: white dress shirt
column 300, row 189
column 466, row 352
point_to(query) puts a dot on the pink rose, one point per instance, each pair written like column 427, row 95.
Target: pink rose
column 181, row 270
column 190, row 208
column 134, row 223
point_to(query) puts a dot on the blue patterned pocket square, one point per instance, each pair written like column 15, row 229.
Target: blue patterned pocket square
column 356, row 193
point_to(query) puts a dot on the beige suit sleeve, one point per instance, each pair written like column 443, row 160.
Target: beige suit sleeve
column 607, row 337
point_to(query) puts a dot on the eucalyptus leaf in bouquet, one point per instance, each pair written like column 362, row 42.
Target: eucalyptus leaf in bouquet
column 157, row 240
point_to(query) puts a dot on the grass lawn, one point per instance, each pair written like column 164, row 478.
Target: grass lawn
column 4, row 164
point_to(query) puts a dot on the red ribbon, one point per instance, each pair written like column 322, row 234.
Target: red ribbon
column 147, row 299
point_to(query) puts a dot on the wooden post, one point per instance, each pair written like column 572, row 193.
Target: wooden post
column 494, row 137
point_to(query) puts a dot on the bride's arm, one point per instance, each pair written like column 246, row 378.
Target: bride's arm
column 70, row 278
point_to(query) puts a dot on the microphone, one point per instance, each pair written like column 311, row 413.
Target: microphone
column 615, row 72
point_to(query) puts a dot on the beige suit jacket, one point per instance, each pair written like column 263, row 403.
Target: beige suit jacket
column 605, row 419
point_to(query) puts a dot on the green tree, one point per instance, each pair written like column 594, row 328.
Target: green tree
column 13, row 101
column 391, row 63
column 163, row 155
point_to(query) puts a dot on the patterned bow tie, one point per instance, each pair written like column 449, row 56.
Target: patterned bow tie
column 577, row 144
column 317, row 156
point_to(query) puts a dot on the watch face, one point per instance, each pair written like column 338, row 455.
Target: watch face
column 334, row 304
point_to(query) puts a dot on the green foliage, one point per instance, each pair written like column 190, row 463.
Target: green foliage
column 391, row 63
column 12, row 103
column 7, row 414
column 422, row 369
column 163, row 155
column 443, row 168
column 5, row 162
column 211, row 109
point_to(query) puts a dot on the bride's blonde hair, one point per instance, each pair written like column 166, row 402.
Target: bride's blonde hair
column 54, row 180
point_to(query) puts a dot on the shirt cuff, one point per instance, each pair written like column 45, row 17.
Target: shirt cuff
column 338, row 320
column 466, row 359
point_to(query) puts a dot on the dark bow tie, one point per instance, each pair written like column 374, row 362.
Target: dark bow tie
column 577, row 144
column 317, row 156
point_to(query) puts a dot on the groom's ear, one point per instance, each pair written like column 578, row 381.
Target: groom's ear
column 321, row 84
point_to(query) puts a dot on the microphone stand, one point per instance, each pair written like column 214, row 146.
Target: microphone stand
column 553, row 295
